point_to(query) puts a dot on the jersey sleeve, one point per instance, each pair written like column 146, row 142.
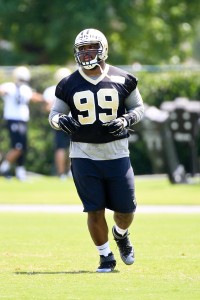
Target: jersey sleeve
column 135, row 108
column 59, row 90
column 131, row 83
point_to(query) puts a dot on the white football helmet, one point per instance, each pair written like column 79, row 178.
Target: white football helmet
column 88, row 37
column 61, row 73
column 22, row 74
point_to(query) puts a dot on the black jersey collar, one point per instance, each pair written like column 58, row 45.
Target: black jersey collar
column 97, row 80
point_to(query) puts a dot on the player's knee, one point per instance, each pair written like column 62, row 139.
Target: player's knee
column 123, row 220
column 96, row 216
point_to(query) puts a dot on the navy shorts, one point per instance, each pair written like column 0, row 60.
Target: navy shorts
column 18, row 134
column 62, row 140
column 105, row 184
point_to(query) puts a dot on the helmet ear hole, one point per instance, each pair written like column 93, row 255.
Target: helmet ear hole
column 88, row 37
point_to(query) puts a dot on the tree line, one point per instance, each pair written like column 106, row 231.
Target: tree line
column 37, row 32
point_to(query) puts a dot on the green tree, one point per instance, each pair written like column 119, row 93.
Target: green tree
column 147, row 31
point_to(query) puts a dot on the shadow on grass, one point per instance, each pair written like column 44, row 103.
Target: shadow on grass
column 57, row 273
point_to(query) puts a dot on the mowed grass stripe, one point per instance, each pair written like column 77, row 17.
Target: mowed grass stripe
column 50, row 256
column 51, row 190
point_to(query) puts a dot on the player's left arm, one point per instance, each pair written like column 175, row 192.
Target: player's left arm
column 134, row 113
column 135, row 108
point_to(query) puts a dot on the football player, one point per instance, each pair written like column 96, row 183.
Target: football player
column 104, row 102
column 16, row 96
column 62, row 140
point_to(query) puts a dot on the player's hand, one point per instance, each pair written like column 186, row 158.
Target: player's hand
column 68, row 124
column 116, row 127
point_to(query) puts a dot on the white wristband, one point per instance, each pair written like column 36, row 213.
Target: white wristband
column 55, row 121
column 125, row 122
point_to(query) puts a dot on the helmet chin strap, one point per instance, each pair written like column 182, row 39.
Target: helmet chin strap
column 95, row 65
column 100, row 68
column 92, row 64
column 102, row 71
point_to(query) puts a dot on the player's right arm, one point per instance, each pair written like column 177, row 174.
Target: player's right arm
column 59, row 117
column 59, row 108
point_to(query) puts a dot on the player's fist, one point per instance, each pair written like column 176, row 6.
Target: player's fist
column 66, row 123
column 116, row 127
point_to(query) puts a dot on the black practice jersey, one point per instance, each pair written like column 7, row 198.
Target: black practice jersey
column 96, row 101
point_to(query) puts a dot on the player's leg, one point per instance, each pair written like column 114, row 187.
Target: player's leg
column 7, row 162
column 90, row 187
column 98, row 229
column 121, row 236
column 13, row 154
column 123, row 221
column 20, row 170
column 121, row 199
column 16, row 147
column 60, row 157
column 62, row 160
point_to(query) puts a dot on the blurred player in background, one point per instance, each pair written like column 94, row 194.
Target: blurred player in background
column 104, row 102
column 62, row 140
column 16, row 96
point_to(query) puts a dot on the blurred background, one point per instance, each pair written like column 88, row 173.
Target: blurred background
column 156, row 40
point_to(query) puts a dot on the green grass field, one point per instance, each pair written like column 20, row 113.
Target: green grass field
column 51, row 256
column 51, row 190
